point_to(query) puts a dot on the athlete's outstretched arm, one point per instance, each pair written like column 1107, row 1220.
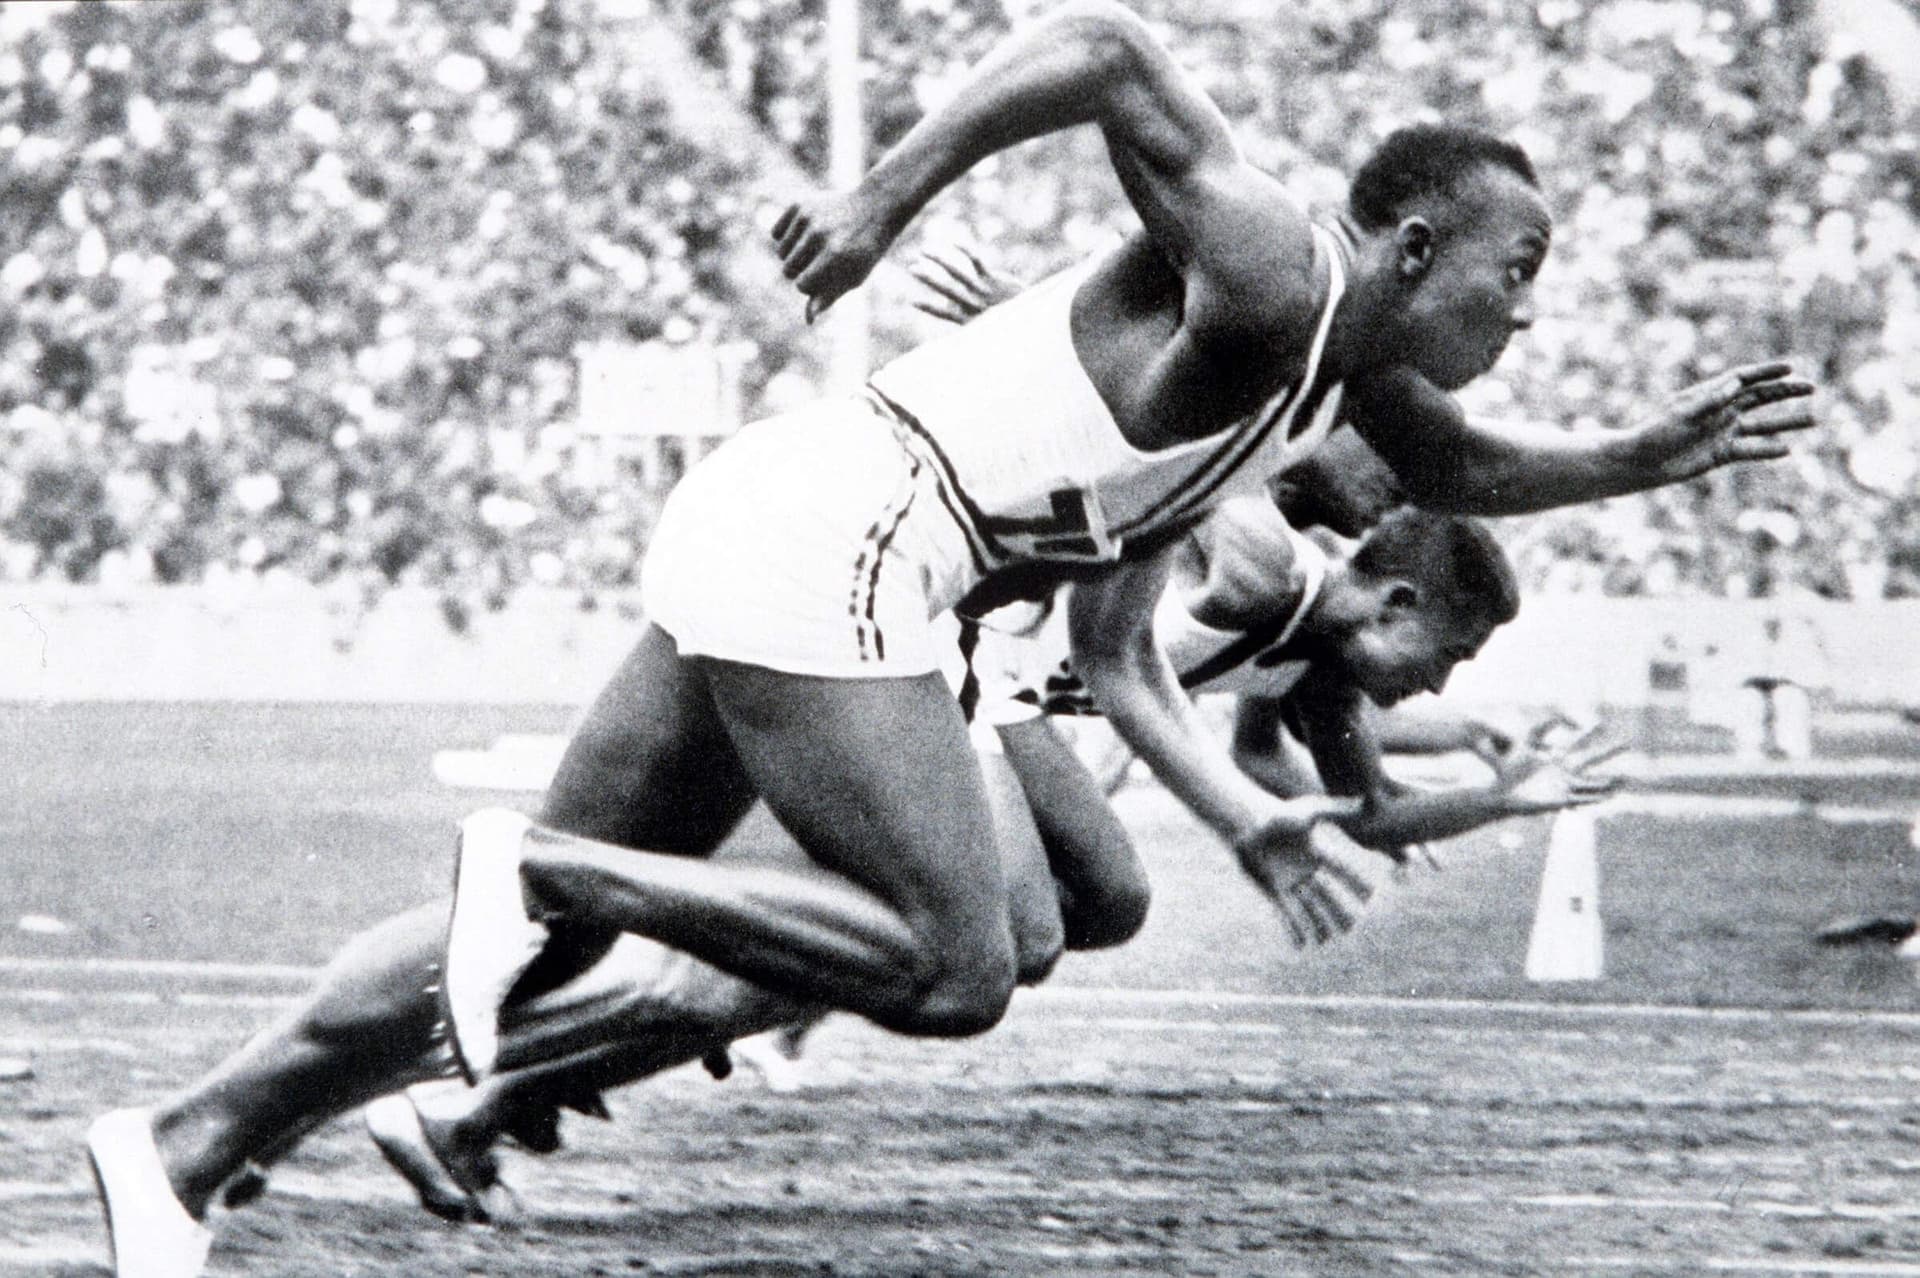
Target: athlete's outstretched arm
column 1346, row 752
column 1447, row 461
column 1087, row 62
column 1110, row 620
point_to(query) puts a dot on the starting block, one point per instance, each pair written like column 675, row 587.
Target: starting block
column 1567, row 943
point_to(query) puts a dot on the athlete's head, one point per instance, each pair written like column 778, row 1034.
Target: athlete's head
column 1421, row 594
column 1459, row 226
column 1342, row 486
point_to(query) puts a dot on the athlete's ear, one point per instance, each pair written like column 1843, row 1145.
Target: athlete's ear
column 1401, row 596
column 1414, row 241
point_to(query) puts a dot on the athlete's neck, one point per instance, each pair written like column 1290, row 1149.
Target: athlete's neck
column 1335, row 612
column 1351, row 349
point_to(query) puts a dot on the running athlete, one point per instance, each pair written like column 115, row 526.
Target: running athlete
column 793, row 575
column 1252, row 606
column 1079, row 422
column 1339, row 491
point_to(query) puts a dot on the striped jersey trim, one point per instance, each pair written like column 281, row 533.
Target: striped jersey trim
column 1263, row 640
column 863, row 603
column 965, row 512
column 1308, row 392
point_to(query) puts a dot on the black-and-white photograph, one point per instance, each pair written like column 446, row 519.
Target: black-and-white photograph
column 959, row 638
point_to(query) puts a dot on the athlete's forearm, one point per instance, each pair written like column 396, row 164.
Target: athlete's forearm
column 1447, row 462
column 1437, row 729
column 1146, row 705
column 1482, row 467
column 1110, row 621
column 1392, row 821
column 1518, row 468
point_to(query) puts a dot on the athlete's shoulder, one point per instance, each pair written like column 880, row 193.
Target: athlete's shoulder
column 1270, row 281
column 1255, row 566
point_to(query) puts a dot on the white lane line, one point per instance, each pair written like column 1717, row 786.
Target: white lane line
column 1822, row 1267
column 1052, row 995
column 42, row 1256
column 355, row 1190
column 194, row 968
column 1819, row 1268
column 21, row 1046
column 1530, row 1007
column 1718, row 807
column 145, row 998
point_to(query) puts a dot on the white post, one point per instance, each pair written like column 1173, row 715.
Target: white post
column 847, row 322
column 1566, row 944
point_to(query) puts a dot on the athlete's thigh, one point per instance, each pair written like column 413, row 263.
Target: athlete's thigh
column 1033, row 902
column 650, row 765
column 1090, row 852
column 877, row 780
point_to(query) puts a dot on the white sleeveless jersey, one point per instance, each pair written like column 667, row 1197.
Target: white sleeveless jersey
column 1020, row 675
column 1031, row 462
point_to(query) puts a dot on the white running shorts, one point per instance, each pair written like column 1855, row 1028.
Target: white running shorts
column 814, row 543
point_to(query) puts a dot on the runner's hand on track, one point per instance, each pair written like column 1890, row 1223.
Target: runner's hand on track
column 1278, row 853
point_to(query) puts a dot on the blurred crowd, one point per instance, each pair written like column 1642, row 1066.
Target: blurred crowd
column 295, row 294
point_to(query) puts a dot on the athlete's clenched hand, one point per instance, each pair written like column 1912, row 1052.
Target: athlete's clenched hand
column 1745, row 414
column 828, row 245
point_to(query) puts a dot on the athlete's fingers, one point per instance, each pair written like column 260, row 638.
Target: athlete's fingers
column 1756, row 394
column 942, row 304
column 1777, row 417
column 1346, row 877
column 973, row 259
column 1334, row 910
column 827, row 280
column 1708, row 397
column 784, row 221
column 802, row 255
column 941, row 310
column 1592, row 734
column 1752, row 448
column 1765, row 371
column 958, row 281
column 797, row 230
column 1595, row 756
column 1537, row 738
column 1289, row 914
column 959, row 303
column 1718, row 393
column 1323, row 931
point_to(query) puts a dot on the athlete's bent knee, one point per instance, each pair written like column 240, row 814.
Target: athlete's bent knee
column 1035, row 961
column 1112, row 917
column 968, row 994
column 1039, row 936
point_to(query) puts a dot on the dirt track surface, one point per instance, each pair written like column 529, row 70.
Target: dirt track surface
column 1101, row 1133
column 1308, row 1115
